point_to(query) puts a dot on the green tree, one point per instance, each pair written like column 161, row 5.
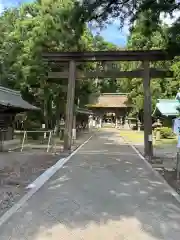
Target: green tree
column 160, row 88
column 26, row 32
column 103, row 10
column 105, row 85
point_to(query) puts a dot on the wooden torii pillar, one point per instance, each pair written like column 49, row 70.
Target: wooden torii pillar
column 70, row 106
column 148, row 148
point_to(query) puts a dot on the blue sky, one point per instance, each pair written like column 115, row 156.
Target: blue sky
column 111, row 33
column 114, row 35
column 9, row 3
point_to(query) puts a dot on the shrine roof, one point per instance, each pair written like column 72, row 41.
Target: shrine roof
column 11, row 98
column 167, row 107
column 109, row 100
column 84, row 111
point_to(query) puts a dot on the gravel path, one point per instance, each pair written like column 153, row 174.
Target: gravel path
column 21, row 169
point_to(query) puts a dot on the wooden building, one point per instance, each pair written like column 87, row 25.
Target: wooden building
column 110, row 107
column 167, row 110
column 11, row 103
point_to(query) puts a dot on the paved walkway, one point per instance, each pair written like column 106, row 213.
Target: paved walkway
column 11, row 144
column 105, row 191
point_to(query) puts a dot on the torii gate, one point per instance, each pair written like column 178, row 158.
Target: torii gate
column 70, row 60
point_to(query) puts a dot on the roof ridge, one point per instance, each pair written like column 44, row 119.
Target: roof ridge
column 8, row 90
column 168, row 100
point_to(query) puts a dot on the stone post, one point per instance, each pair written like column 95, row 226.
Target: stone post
column 116, row 125
column 90, row 121
column 94, row 122
column 139, row 126
column 74, row 128
column 100, row 122
column 126, row 125
column 121, row 122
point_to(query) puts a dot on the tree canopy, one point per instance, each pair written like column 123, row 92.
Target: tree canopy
column 160, row 87
column 57, row 25
column 26, row 32
column 103, row 11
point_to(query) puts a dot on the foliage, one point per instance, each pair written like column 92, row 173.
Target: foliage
column 160, row 87
column 105, row 11
column 60, row 25
column 166, row 132
column 106, row 85
column 26, row 32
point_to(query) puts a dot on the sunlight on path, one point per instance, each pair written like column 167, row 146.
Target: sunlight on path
column 130, row 227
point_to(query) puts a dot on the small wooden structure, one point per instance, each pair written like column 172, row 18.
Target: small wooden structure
column 11, row 103
column 167, row 110
column 70, row 61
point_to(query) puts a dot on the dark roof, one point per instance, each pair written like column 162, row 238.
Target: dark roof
column 84, row 111
column 109, row 100
column 11, row 98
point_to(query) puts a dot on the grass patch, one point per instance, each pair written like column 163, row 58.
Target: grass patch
column 133, row 136
column 136, row 137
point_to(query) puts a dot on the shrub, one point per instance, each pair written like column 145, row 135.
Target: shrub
column 166, row 132
column 33, row 126
column 33, row 135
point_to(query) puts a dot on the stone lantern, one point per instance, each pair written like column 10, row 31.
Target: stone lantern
column 139, row 125
column 157, row 126
column 90, row 121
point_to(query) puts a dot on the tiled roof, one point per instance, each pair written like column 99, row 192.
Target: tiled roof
column 109, row 100
column 83, row 111
column 13, row 98
column 167, row 107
